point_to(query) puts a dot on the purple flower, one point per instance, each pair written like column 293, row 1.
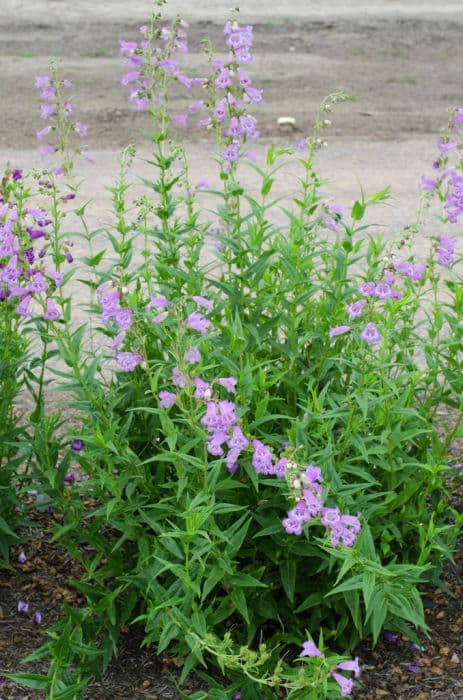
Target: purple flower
column 279, row 468
column 202, row 301
column 43, row 132
column 118, row 340
column 23, row 607
column 197, row 322
column 166, row 399
column 81, row 129
column 412, row 668
column 158, row 303
column 203, row 390
column 181, row 119
column 46, row 150
column 219, row 416
column 390, row 636
column 350, row 666
column 37, row 618
column 52, row 313
column 310, row 649
column 346, row 684
column 124, row 319
column 22, row 558
column 370, row 334
column 128, row 360
column 428, row 184
column 383, row 290
column 215, row 442
column 69, row 478
column 238, row 441
column 355, row 309
column 22, row 308
column 229, row 383
column 77, row 445
column 368, row 289
column 231, row 153
column 178, row 379
column 261, row 458
column 17, row 174
column 338, row 330
column 193, row 355
column 416, row 272
column 292, row 526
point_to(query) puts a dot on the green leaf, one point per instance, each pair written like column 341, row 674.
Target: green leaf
column 288, row 577
column 29, row 680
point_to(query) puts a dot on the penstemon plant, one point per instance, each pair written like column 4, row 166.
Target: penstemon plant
column 257, row 455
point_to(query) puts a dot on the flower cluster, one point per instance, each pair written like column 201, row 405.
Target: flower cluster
column 23, row 609
column 122, row 317
column 152, row 64
column 23, row 274
column 306, row 487
column 57, row 110
column 229, row 113
column 310, row 649
column 381, row 291
column 445, row 251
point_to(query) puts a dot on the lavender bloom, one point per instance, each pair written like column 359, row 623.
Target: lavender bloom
column 52, row 313
column 229, row 383
column 178, row 379
column 215, row 442
column 202, row 301
column 346, row 684
column 220, row 416
column 350, row 666
column 292, row 526
column 118, row 340
column 22, row 558
column 338, row 330
column 128, row 360
column 383, row 290
column 370, row 334
column 237, row 441
column 22, row 308
column 428, row 184
column 310, row 649
column 197, row 322
column 445, row 251
column 368, row 289
column 416, row 272
column 261, row 458
column 166, row 399
column 203, row 390
column 454, row 203
column 193, row 355
column 23, row 607
column 69, row 478
column 412, row 668
column 279, row 468
column 124, row 319
column 77, row 445
column 390, row 636
column 37, row 618
column 355, row 309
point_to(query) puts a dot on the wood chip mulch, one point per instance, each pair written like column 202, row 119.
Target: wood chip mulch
column 394, row 670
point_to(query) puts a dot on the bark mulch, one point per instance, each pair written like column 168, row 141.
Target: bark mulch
column 394, row 670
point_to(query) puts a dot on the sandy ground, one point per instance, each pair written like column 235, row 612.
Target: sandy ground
column 401, row 59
